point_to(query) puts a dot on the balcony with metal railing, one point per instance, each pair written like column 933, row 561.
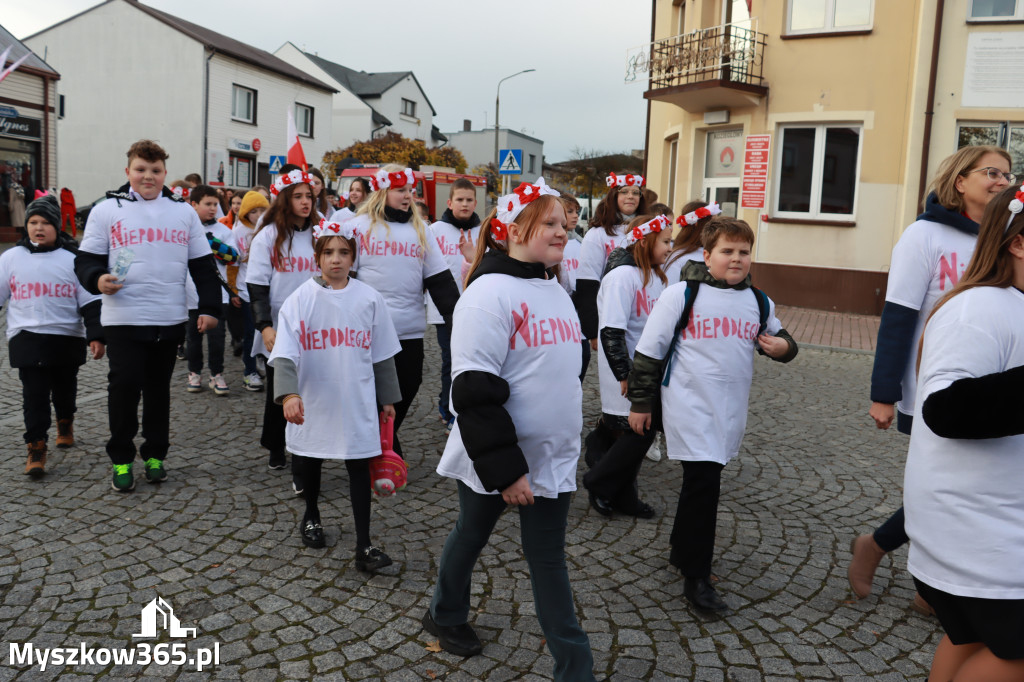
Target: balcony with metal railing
column 720, row 67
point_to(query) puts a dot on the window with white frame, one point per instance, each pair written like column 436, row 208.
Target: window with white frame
column 994, row 10
column 408, row 107
column 243, row 104
column 304, row 120
column 827, row 16
column 1006, row 134
column 816, row 171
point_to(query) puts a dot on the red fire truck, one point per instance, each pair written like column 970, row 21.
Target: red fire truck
column 432, row 185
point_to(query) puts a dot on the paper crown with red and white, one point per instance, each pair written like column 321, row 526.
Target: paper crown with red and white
column 330, row 228
column 294, row 177
column 511, row 205
column 181, row 192
column 628, row 180
column 692, row 217
column 1016, row 206
column 656, row 224
column 392, row 180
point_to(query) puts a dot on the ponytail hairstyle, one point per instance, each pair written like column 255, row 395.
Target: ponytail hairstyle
column 281, row 215
column 374, row 208
column 689, row 236
column 320, row 203
column 529, row 219
column 607, row 215
column 641, row 251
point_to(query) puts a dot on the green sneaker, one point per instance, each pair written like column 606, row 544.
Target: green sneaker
column 123, row 481
column 155, row 470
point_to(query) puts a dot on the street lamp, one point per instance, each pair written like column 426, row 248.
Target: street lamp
column 497, row 96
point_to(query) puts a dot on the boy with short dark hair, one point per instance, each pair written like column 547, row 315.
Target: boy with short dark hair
column 139, row 247
column 701, row 338
column 456, row 233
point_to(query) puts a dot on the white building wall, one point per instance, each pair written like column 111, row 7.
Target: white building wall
column 478, row 148
column 275, row 95
column 390, row 104
column 125, row 76
column 351, row 117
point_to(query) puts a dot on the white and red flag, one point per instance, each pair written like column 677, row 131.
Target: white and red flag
column 295, row 154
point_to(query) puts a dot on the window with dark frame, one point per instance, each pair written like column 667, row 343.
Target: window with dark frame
column 408, row 107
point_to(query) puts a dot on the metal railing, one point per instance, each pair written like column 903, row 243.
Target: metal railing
column 731, row 52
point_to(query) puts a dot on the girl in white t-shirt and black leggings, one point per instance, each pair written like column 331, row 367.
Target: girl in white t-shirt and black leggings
column 962, row 489
column 398, row 258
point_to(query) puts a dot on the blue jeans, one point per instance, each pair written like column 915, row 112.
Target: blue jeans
column 444, row 340
column 542, row 526
column 248, row 334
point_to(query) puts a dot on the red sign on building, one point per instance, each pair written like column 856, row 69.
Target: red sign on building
column 755, row 171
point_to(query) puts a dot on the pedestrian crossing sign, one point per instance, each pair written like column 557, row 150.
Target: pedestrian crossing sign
column 275, row 163
column 511, row 162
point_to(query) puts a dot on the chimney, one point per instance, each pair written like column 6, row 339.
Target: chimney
column 467, row 125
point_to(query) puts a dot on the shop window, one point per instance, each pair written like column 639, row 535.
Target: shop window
column 817, row 167
column 408, row 107
column 304, row 119
column 1006, row 134
column 242, row 172
column 827, row 16
column 243, row 104
column 995, row 10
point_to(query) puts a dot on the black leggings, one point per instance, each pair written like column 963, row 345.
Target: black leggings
column 613, row 476
column 309, row 469
column 409, row 366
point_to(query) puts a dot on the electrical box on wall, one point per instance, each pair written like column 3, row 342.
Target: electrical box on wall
column 716, row 117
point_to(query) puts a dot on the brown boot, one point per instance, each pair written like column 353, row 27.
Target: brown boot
column 65, row 433
column 36, row 465
column 866, row 557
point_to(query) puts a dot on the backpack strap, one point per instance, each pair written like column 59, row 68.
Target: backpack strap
column 684, row 319
column 763, row 308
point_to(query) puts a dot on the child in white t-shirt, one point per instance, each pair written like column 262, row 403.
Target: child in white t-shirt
column 333, row 361
column 686, row 244
column 569, row 269
column 518, row 403
column 701, row 337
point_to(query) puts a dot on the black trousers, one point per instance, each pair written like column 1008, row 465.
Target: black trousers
column 274, row 423
column 141, row 361
column 693, row 533
column 214, row 340
column 40, row 385
column 613, row 476
column 409, row 366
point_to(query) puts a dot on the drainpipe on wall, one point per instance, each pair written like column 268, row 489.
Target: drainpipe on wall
column 930, row 103
column 46, row 134
column 206, row 107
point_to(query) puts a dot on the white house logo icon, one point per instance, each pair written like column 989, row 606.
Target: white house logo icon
column 159, row 613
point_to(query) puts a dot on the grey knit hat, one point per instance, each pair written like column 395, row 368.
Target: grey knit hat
column 47, row 207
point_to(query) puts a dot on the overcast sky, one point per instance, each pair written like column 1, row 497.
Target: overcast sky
column 458, row 49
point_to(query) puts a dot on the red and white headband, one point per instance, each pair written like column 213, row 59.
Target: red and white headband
column 628, row 180
column 393, row 180
column 1016, row 206
column 328, row 228
column 511, row 205
column 692, row 217
column 181, row 192
column 650, row 227
column 294, row 177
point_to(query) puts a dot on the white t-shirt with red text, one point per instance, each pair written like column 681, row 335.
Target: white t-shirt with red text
column 525, row 331
column 392, row 261
column 334, row 336
column 623, row 302
column 570, row 265
column 447, row 236
column 42, row 292
column 241, row 239
column 712, row 368
column 597, row 244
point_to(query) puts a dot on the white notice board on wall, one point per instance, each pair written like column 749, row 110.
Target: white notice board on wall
column 993, row 68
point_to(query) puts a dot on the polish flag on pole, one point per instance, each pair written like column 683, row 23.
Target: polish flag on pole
column 5, row 72
column 295, row 154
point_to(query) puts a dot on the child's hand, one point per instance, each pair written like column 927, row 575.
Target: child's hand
column 624, row 385
column 518, row 493
column 107, row 284
column 389, row 412
column 467, row 246
column 640, row 421
column 269, row 337
column 97, row 349
column 773, row 346
column 293, row 410
column 236, row 301
column 206, row 323
column 593, row 345
column 883, row 414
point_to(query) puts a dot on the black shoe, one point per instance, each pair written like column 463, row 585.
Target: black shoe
column 371, row 558
column 641, row 510
column 460, row 640
column 313, row 534
column 180, row 355
column 701, row 593
column 600, row 505
column 277, row 460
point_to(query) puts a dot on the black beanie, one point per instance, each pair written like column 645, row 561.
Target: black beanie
column 47, row 207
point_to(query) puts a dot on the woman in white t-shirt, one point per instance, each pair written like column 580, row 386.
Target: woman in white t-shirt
column 569, row 268
column 398, row 258
column 926, row 263
column 358, row 191
column 333, row 363
column 518, row 401
column 631, row 286
column 686, row 244
column 280, row 260
column 962, row 489
column 623, row 202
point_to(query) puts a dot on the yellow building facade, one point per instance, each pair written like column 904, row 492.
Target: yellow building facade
column 820, row 122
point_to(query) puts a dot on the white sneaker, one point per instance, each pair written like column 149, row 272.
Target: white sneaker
column 654, row 452
column 253, row 382
column 219, row 386
column 195, row 383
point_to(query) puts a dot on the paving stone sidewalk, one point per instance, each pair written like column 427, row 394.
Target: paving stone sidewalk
column 219, row 542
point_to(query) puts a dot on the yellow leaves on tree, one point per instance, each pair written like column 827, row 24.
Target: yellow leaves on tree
column 396, row 148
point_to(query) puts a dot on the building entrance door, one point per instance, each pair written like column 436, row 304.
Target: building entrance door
column 723, row 161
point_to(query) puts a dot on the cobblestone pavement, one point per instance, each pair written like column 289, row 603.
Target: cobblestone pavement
column 219, row 541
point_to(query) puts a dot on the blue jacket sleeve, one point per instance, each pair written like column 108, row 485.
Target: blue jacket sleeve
column 892, row 352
